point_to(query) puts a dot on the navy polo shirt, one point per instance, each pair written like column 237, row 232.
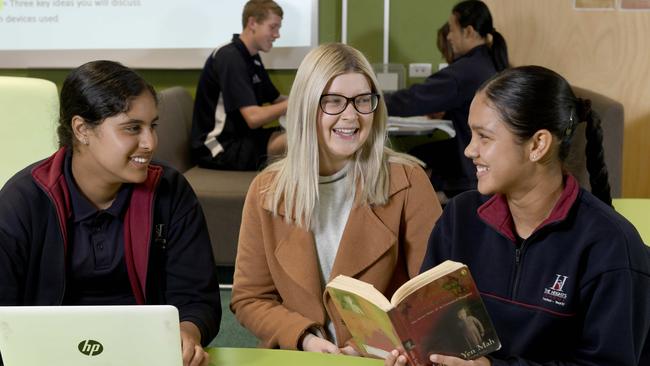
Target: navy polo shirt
column 232, row 78
column 96, row 272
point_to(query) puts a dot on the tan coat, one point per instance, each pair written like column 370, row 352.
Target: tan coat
column 277, row 292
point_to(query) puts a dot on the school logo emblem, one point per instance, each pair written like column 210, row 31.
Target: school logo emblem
column 555, row 293
column 559, row 282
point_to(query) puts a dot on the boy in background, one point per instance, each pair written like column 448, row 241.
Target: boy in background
column 235, row 97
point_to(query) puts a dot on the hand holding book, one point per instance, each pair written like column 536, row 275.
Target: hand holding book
column 313, row 343
column 397, row 359
column 437, row 312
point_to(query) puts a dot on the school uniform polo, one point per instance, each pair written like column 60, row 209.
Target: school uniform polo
column 232, row 78
column 97, row 273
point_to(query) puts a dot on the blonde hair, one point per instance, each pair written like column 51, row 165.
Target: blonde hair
column 295, row 184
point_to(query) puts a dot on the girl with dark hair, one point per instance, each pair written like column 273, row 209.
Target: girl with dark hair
column 564, row 277
column 475, row 14
column 479, row 52
column 98, row 223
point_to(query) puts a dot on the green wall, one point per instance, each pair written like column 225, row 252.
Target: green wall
column 413, row 30
column 412, row 39
column 413, row 36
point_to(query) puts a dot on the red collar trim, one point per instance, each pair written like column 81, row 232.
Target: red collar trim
column 138, row 224
column 496, row 213
column 49, row 176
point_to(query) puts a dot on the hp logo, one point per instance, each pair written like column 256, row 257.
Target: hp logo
column 90, row 348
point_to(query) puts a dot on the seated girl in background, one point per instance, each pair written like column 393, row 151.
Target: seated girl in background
column 340, row 202
column 564, row 277
column 443, row 44
column 98, row 224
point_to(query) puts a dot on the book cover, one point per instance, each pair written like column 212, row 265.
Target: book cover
column 431, row 313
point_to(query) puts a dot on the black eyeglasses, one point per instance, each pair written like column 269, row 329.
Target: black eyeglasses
column 336, row 104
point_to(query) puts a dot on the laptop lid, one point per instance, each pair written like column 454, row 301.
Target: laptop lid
column 90, row 335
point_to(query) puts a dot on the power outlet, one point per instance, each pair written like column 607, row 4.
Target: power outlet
column 419, row 70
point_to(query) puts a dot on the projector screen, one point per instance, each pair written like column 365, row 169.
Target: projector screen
column 167, row 34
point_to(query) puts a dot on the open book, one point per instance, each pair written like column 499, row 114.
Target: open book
column 439, row 311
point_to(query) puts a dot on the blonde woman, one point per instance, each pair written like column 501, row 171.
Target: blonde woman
column 340, row 202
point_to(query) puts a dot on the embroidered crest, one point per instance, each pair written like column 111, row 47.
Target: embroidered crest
column 555, row 293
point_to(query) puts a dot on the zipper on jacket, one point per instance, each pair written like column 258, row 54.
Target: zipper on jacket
column 65, row 248
column 65, row 277
column 160, row 234
column 519, row 252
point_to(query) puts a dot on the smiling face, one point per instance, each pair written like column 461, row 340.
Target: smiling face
column 502, row 163
column 343, row 134
column 266, row 32
column 119, row 150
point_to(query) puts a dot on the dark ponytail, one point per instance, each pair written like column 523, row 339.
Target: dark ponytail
column 499, row 51
column 598, row 175
column 532, row 98
column 477, row 14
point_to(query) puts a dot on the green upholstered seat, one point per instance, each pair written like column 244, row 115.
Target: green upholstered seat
column 29, row 109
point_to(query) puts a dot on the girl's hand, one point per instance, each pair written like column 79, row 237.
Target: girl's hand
column 395, row 358
column 193, row 353
column 312, row 343
column 350, row 351
column 455, row 361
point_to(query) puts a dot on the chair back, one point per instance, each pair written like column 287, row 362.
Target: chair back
column 611, row 115
column 221, row 193
column 174, row 125
column 636, row 211
column 30, row 109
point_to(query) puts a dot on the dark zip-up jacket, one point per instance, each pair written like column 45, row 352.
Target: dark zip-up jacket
column 576, row 292
column 449, row 90
column 166, row 244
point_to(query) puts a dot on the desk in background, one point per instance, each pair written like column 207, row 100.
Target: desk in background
column 409, row 126
column 274, row 357
column 406, row 133
column 418, row 125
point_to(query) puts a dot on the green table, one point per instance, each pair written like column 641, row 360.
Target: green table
column 274, row 357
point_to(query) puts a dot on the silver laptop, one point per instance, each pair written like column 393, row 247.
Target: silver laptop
column 90, row 335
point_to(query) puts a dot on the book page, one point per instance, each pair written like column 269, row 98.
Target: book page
column 370, row 326
column 366, row 290
column 423, row 279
